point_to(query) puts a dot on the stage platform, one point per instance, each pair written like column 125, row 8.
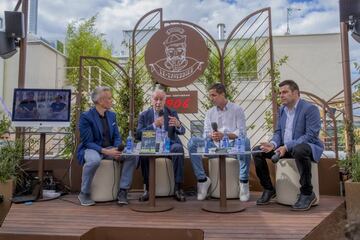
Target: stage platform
column 66, row 219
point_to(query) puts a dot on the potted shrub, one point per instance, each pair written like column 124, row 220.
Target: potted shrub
column 351, row 165
column 10, row 159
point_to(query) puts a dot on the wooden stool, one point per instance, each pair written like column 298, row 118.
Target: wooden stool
column 287, row 181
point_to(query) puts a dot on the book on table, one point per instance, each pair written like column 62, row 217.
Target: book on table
column 148, row 142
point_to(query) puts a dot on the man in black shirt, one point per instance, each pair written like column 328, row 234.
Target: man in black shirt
column 27, row 108
column 100, row 138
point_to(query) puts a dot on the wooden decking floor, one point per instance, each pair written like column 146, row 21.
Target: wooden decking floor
column 64, row 217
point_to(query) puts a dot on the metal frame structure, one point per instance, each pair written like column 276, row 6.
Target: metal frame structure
column 257, row 95
column 258, row 20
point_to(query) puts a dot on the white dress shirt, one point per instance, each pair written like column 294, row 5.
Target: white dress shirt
column 290, row 114
column 231, row 119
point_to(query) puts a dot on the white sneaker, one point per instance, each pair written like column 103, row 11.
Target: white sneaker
column 202, row 188
column 244, row 195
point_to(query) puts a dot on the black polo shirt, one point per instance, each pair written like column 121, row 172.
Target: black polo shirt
column 106, row 131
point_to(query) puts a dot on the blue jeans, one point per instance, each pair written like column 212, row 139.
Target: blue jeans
column 92, row 162
column 196, row 161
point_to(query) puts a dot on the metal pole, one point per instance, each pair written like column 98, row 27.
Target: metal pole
column 222, row 69
column 41, row 162
column 22, row 57
column 273, row 87
column 222, row 169
column 23, row 46
column 287, row 21
column 75, row 180
column 348, row 118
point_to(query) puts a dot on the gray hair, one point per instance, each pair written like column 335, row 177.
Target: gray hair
column 159, row 90
column 97, row 92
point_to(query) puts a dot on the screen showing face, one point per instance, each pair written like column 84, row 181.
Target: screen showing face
column 41, row 105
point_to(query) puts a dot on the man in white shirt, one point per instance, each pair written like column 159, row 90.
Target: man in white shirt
column 230, row 119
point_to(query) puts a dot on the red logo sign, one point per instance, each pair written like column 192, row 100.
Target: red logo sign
column 182, row 101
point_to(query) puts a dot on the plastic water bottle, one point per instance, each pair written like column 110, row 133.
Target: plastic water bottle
column 158, row 135
column 225, row 140
column 159, row 139
column 240, row 141
column 129, row 143
column 207, row 140
column 166, row 144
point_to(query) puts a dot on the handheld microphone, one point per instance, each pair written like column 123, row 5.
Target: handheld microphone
column 121, row 147
column 171, row 130
column 161, row 113
column 276, row 157
column 214, row 126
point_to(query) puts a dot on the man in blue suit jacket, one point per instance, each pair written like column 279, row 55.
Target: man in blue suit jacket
column 162, row 118
column 100, row 138
column 296, row 136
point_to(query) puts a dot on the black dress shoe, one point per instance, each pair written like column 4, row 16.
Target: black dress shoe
column 180, row 195
column 304, row 202
column 144, row 197
column 266, row 196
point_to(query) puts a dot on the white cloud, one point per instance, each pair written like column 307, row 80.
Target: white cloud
column 317, row 16
column 115, row 15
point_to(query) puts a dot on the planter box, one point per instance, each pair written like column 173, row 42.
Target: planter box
column 6, row 189
column 352, row 196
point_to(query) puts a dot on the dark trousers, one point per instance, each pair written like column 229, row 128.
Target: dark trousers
column 178, row 165
column 303, row 157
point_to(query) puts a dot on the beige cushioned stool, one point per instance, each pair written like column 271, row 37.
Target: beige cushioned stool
column 105, row 184
column 232, row 177
column 164, row 179
column 287, row 181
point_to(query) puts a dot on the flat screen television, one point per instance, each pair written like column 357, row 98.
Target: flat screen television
column 41, row 107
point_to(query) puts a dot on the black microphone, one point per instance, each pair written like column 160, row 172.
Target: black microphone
column 276, row 157
column 121, row 147
column 171, row 130
column 214, row 126
column 161, row 113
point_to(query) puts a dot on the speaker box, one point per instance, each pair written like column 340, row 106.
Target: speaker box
column 7, row 46
column 14, row 24
column 349, row 8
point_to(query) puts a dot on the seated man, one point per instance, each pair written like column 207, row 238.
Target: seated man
column 296, row 136
column 161, row 117
column 100, row 139
column 229, row 118
column 27, row 108
column 58, row 108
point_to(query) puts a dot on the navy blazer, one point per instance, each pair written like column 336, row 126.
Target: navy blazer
column 306, row 128
column 146, row 120
column 91, row 132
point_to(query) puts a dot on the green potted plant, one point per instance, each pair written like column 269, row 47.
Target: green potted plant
column 10, row 158
column 351, row 166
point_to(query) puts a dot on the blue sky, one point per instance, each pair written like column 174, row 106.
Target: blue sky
column 316, row 16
